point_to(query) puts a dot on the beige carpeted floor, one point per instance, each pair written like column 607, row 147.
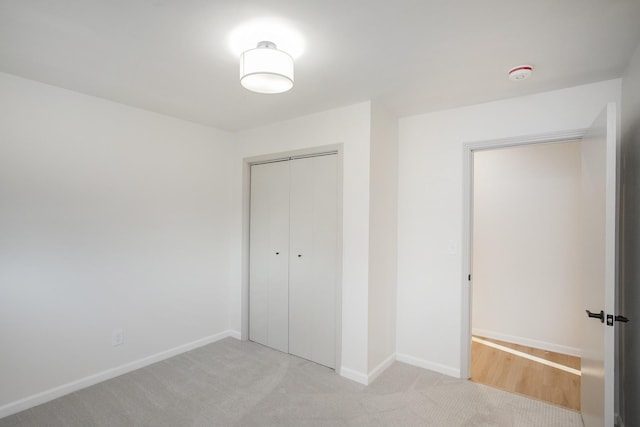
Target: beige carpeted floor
column 234, row 383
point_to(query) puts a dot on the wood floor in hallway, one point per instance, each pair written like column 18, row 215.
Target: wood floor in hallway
column 500, row 368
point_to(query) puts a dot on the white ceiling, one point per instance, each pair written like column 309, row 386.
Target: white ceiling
column 414, row 56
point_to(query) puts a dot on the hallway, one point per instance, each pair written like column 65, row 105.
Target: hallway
column 544, row 375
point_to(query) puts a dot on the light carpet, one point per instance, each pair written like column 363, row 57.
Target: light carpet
column 235, row 383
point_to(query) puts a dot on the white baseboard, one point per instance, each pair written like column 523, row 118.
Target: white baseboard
column 542, row 345
column 64, row 389
column 233, row 334
column 375, row 372
column 426, row 364
column 354, row 375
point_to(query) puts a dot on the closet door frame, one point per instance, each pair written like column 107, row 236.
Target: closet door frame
column 336, row 149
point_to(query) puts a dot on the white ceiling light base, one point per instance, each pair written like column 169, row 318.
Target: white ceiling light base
column 521, row 72
column 266, row 69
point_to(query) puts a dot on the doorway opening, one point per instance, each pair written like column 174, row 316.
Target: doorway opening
column 523, row 246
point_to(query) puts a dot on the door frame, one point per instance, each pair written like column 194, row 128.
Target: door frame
column 467, row 223
column 338, row 149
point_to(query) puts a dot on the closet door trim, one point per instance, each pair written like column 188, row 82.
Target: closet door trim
column 301, row 156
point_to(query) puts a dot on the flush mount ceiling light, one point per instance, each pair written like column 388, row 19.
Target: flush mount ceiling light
column 521, row 72
column 266, row 66
column 266, row 69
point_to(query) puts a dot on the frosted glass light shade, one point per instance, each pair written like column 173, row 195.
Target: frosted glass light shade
column 266, row 69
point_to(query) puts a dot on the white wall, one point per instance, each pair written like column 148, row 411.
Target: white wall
column 351, row 127
column 110, row 217
column 630, row 374
column 527, row 245
column 430, row 207
column 383, row 226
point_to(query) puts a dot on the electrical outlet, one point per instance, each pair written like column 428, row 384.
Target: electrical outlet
column 117, row 337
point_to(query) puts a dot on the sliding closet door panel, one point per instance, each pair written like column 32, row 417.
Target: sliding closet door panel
column 313, row 264
column 269, row 255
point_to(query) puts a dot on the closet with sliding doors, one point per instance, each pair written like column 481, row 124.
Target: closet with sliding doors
column 293, row 256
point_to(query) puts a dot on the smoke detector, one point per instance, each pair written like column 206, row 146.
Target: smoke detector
column 521, row 72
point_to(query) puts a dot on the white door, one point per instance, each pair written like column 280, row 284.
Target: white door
column 313, row 263
column 269, row 255
column 599, row 161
